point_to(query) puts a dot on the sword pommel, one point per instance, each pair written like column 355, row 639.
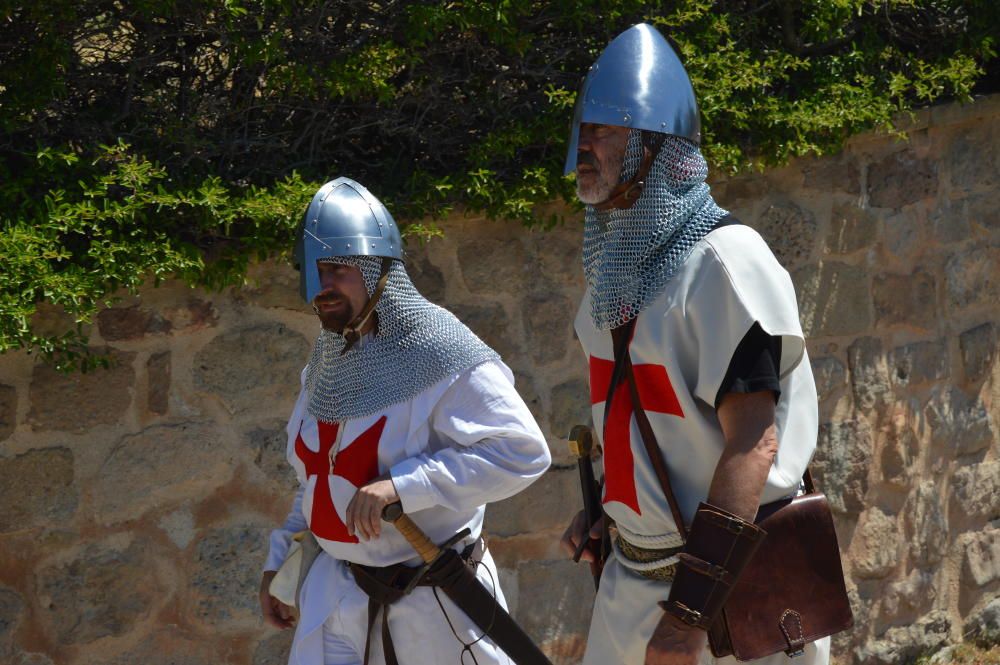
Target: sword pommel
column 581, row 442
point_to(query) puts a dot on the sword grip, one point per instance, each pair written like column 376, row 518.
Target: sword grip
column 418, row 540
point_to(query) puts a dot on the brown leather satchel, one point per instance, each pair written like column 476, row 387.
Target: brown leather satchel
column 792, row 591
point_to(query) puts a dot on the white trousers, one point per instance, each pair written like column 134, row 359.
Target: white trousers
column 626, row 613
column 421, row 634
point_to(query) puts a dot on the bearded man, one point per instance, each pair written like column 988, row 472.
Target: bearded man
column 691, row 330
column 400, row 402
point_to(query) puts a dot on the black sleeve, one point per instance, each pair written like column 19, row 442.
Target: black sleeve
column 754, row 366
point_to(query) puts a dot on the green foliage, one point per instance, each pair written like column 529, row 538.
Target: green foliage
column 185, row 137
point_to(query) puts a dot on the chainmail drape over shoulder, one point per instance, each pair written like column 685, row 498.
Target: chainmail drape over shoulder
column 416, row 345
column 630, row 255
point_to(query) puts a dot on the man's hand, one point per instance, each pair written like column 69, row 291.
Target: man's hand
column 364, row 513
column 672, row 644
column 577, row 531
column 273, row 610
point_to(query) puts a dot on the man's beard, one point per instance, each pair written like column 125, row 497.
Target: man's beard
column 336, row 320
column 600, row 189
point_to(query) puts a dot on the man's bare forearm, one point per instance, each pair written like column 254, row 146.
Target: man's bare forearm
column 747, row 422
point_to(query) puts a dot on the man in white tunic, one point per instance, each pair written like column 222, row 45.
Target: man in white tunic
column 710, row 321
column 399, row 402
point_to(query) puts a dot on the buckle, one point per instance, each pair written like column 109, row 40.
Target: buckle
column 689, row 616
column 795, row 652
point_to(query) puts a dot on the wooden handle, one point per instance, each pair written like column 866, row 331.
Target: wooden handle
column 425, row 547
column 581, row 441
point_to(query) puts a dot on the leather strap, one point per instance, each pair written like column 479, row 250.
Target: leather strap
column 625, row 194
column 352, row 331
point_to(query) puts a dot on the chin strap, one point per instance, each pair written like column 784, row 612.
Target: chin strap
column 352, row 331
column 625, row 194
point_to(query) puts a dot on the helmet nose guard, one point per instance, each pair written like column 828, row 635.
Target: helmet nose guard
column 343, row 219
column 637, row 82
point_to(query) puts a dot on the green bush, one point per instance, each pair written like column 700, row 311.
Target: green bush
column 185, row 137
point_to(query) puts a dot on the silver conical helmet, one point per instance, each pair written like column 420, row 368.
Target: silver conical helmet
column 637, row 82
column 343, row 219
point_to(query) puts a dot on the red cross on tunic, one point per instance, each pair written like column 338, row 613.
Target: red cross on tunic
column 657, row 395
column 357, row 463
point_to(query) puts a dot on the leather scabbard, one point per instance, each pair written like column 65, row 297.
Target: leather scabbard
column 458, row 581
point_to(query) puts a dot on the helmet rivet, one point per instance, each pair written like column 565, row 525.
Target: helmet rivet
column 663, row 124
column 348, row 245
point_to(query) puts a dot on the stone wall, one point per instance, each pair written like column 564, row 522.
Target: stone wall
column 135, row 502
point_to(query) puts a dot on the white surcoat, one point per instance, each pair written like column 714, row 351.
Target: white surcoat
column 681, row 349
column 463, row 442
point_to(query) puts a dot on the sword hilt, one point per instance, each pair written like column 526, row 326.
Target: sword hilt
column 418, row 540
column 581, row 441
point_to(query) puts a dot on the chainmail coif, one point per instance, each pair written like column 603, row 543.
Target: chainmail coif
column 416, row 344
column 630, row 255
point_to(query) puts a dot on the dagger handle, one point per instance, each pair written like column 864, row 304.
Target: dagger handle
column 418, row 540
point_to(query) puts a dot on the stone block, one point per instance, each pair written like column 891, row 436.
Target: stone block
column 790, row 232
column 979, row 351
column 972, row 278
column 8, row 411
column 834, row 299
column 427, row 277
column 843, row 457
column 977, row 490
column 38, row 489
column 227, row 574
column 902, row 644
column 492, row 325
column 900, row 179
column 170, row 646
column 11, row 613
column 949, row 222
column 982, row 210
column 272, row 285
column 558, row 253
column 105, row 590
column 852, row 228
column 829, row 375
column 745, row 188
column 927, row 525
column 158, row 375
column 78, row 401
column 570, row 406
column 983, row 626
column 274, row 650
column 913, row 594
column 874, row 550
column 905, row 299
column 525, row 386
column 548, row 503
column 271, row 381
column 158, row 466
column 193, row 314
column 179, row 527
column 555, row 601
column 268, row 443
column 869, row 373
column 838, row 173
column 973, row 158
column 981, row 564
column 125, row 323
column 958, row 425
column 489, row 264
column 901, row 448
column 919, row 363
column 548, row 324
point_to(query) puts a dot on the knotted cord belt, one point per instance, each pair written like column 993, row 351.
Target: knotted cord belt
column 384, row 586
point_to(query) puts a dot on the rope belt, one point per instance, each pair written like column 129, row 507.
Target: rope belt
column 658, row 564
